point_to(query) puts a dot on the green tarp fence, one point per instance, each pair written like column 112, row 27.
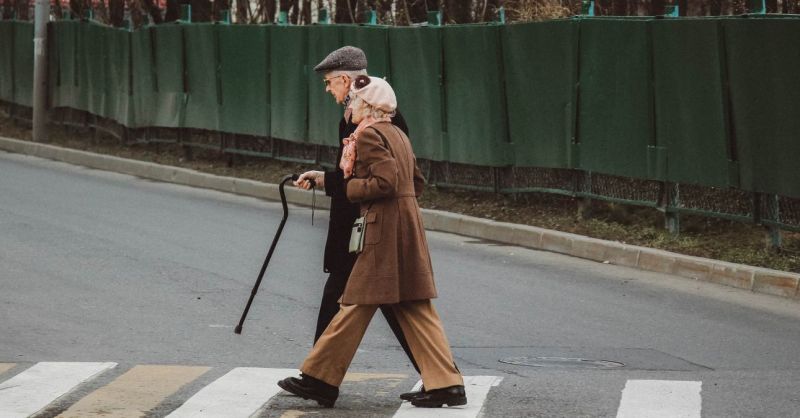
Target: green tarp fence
column 7, row 60
column 244, row 80
column 711, row 102
column 691, row 126
column 764, row 67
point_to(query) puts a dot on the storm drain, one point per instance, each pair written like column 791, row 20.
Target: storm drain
column 566, row 362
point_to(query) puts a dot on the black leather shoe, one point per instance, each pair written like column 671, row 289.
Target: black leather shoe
column 410, row 396
column 451, row 396
column 308, row 387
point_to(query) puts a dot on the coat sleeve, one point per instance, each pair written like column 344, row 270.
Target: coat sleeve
column 373, row 157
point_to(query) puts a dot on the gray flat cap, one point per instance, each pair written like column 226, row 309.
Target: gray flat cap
column 346, row 58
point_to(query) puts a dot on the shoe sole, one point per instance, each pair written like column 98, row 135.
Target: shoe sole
column 305, row 395
column 438, row 404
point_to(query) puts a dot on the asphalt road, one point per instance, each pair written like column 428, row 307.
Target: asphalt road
column 102, row 267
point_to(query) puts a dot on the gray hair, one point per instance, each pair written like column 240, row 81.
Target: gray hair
column 352, row 74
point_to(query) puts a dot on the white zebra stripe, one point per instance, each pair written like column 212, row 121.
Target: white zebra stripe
column 660, row 399
column 242, row 392
column 32, row 390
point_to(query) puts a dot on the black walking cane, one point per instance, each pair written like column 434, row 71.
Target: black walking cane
column 294, row 177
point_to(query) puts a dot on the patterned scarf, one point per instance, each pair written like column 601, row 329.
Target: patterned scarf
column 348, row 160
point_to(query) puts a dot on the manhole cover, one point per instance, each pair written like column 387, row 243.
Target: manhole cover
column 576, row 363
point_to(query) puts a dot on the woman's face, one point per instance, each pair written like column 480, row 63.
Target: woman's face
column 338, row 86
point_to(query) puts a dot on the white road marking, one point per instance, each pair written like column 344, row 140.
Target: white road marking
column 32, row 390
column 242, row 392
column 477, row 388
column 660, row 399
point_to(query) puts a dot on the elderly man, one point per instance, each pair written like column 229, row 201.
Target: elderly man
column 339, row 69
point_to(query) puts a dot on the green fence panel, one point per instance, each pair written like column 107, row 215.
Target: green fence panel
column 541, row 73
column 7, row 60
column 52, row 64
column 94, row 67
column 118, row 76
column 66, row 39
column 81, row 91
column 143, row 77
column 615, row 125
column 244, row 79
column 416, row 68
column 691, row 116
column 763, row 63
column 477, row 123
column 202, row 61
column 23, row 63
column 324, row 113
column 170, row 96
column 289, row 82
column 374, row 41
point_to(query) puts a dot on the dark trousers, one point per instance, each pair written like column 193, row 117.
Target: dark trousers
column 329, row 306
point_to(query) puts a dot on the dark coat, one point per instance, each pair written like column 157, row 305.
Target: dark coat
column 343, row 212
column 395, row 265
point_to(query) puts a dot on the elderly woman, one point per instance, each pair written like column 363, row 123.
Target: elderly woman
column 393, row 267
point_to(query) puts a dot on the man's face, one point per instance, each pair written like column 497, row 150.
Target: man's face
column 337, row 85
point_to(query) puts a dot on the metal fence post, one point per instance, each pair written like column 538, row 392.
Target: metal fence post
column 323, row 18
column 283, row 18
column 672, row 10
column 186, row 13
column 225, row 16
column 774, row 236
column 42, row 16
column 371, row 17
column 672, row 218
column 756, row 7
column 587, row 8
column 435, row 18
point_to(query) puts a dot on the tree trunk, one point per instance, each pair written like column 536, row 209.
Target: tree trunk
column 457, row 11
column 116, row 12
column 305, row 14
column 56, row 10
column 620, row 8
column 22, row 10
column 658, row 7
column 153, row 10
column 266, row 10
column 772, row 6
column 345, row 11
column 201, row 10
column 173, row 11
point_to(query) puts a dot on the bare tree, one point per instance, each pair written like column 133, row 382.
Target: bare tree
column 457, row 11
column 345, row 11
column 116, row 12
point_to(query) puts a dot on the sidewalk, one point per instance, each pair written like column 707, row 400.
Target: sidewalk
column 756, row 279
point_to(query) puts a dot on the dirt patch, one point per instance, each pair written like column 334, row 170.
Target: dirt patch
column 700, row 236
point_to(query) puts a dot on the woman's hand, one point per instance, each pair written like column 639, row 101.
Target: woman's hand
column 304, row 183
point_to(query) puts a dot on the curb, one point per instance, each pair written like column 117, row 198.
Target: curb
column 755, row 279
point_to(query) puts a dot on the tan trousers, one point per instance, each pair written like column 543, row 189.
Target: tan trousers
column 333, row 352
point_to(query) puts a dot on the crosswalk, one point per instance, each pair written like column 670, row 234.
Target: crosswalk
column 106, row 389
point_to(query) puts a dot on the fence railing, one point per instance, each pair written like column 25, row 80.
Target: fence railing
column 686, row 115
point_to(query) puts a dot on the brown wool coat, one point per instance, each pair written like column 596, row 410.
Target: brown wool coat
column 395, row 265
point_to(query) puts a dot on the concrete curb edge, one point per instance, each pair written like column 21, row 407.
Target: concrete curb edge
column 756, row 279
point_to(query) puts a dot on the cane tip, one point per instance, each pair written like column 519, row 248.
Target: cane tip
column 238, row 330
